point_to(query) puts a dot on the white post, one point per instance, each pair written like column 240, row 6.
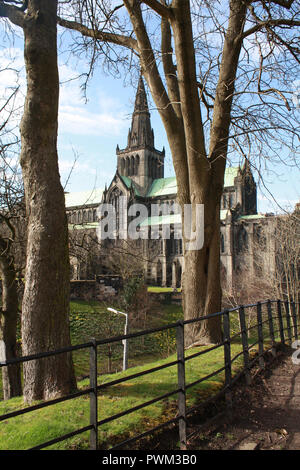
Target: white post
column 124, row 341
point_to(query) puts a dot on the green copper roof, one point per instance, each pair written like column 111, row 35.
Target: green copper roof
column 168, row 186
column 230, row 173
column 162, row 220
column 128, row 182
column 170, row 219
column 83, row 198
column 162, row 187
column 223, row 213
column 252, row 216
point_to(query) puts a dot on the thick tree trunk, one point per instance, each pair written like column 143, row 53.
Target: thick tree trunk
column 201, row 278
column 45, row 322
column 11, row 375
column 202, row 292
column 200, row 176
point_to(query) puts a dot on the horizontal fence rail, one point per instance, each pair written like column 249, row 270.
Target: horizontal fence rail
column 280, row 320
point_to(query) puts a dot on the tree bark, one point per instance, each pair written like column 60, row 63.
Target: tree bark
column 195, row 177
column 202, row 293
column 45, row 308
column 11, row 375
column 199, row 168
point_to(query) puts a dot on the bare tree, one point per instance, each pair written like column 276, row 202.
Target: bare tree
column 45, row 306
column 287, row 236
column 220, row 75
column 9, row 314
column 275, row 267
column 126, row 258
column 11, row 248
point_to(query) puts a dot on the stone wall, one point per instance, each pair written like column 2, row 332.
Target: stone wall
column 101, row 288
column 166, row 297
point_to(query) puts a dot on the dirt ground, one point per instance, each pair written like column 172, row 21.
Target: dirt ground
column 266, row 414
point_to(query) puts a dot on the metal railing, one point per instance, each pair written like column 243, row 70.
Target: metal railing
column 286, row 319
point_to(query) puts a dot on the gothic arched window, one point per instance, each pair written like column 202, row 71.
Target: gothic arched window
column 127, row 166
column 242, row 239
column 122, row 166
column 132, row 166
column 222, row 243
column 137, row 164
column 149, row 167
column 114, row 200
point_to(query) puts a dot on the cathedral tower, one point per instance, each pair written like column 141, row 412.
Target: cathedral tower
column 140, row 161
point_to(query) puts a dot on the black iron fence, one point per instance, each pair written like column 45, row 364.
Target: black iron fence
column 276, row 322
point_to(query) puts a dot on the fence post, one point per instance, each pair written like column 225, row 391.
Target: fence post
column 282, row 340
column 260, row 337
column 271, row 327
column 227, row 360
column 181, row 385
column 245, row 344
column 288, row 320
column 294, row 317
column 93, row 396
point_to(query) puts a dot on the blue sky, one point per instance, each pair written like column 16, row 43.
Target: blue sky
column 103, row 122
column 90, row 131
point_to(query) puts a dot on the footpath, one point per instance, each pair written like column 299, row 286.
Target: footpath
column 266, row 414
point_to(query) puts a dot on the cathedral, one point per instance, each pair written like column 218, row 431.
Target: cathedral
column 140, row 177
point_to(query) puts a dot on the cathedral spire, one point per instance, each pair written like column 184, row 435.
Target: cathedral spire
column 141, row 103
column 140, row 134
column 140, row 161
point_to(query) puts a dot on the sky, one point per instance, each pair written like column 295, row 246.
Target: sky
column 90, row 130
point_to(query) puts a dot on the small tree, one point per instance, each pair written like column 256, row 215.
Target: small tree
column 12, row 240
column 9, row 313
column 287, row 272
column 275, row 256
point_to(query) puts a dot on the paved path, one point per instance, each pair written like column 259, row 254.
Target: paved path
column 266, row 414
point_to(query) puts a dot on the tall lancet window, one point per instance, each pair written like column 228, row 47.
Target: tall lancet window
column 122, row 166
column 114, row 200
column 137, row 164
column 127, row 166
column 131, row 166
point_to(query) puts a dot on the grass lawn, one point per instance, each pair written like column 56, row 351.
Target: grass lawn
column 29, row 430
column 162, row 289
column 91, row 319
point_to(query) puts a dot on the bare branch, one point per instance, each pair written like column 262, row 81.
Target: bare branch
column 13, row 13
column 264, row 24
column 117, row 39
column 162, row 10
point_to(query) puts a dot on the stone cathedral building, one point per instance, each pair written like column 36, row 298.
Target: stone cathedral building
column 140, row 177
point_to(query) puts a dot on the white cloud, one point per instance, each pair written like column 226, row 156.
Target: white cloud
column 79, row 121
column 296, row 94
column 65, row 166
column 75, row 116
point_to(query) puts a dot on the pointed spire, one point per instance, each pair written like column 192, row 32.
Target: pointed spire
column 246, row 168
column 140, row 134
column 141, row 103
